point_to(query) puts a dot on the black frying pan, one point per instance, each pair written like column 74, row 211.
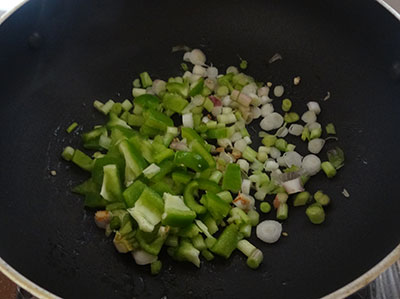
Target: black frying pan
column 57, row 56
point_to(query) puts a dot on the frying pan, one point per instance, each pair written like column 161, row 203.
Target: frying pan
column 57, row 56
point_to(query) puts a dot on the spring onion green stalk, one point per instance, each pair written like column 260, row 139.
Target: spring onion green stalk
column 254, row 217
column 254, row 255
column 291, row 117
column 243, row 64
column 265, row 207
column 68, row 153
column 72, row 127
column 330, row 129
column 286, row 105
column 249, row 154
column 281, row 144
column 329, row 169
column 321, row 198
column 301, row 199
column 315, row 213
column 155, row 267
column 282, row 211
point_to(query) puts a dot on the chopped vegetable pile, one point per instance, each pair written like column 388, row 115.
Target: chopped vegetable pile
column 176, row 169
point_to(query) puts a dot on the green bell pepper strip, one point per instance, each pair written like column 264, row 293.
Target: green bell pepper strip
column 132, row 193
column 216, row 206
column 161, row 187
column 198, row 148
column 91, row 139
column 99, row 163
column 227, row 241
column 208, row 185
column 134, row 161
column 166, row 167
column 146, row 101
column 174, row 102
column 179, row 88
column 232, row 180
column 94, row 200
column 144, row 146
column 176, row 213
column 191, row 160
column 189, row 231
column 207, row 255
column 111, row 188
column 116, row 206
column 210, row 222
column 182, row 177
column 189, row 134
column 157, row 120
column 196, row 87
column 114, row 120
column 145, row 79
column 217, row 133
column 187, row 252
column 88, row 186
column 152, row 244
column 161, row 152
column 149, row 131
column 148, row 210
column 82, row 160
column 119, row 133
column 134, row 120
column 189, row 199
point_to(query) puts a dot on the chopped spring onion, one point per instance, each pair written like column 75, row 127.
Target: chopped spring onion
column 336, row 157
column 314, row 107
column 269, row 231
column 72, row 127
column 265, row 207
column 278, row 91
column 286, row 105
column 329, row 169
column 330, row 129
column 316, row 145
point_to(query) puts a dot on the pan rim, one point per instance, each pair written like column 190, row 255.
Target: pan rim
column 343, row 292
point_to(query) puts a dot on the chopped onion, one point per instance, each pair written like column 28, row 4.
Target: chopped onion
column 226, row 110
column 316, row 145
column 212, row 72
column 250, row 88
column 232, row 69
column 224, row 142
column 246, row 186
column 210, row 83
column 199, row 70
column 194, row 78
column 158, row 86
column 309, row 117
column 263, row 91
column 327, row 97
column 143, row 258
column 296, row 129
column 197, row 57
column 311, row 164
column 217, row 110
column 226, row 101
column 247, row 139
column 314, row 126
column 216, row 101
column 226, row 157
column 186, row 56
column 274, row 153
column 187, row 120
column 265, row 100
column 281, row 161
column 345, row 193
column 293, row 186
column 274, row 58
column 266, row 109
column 179, row 146
column 292, row 158
column 244, row 202
column 244, row 165
column 187, row 75
column 198, row 100
column 240, row 145
column 269, row 231
column 278, row 91
column 282, row 132
column 314, row 107
column 271, row 165
column 236, row 136
column 271, row 121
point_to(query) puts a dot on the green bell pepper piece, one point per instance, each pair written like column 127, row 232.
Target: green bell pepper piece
column 174, row 102
column 161, row 187
column 179, row 88
column 134, row 161
column 232, row 180
column 227, row 241
column 83, row 160
column 148, row 210
column 150, row 242
column 176, row 213
column 217, row 133
column 198, row 148
column 166, row 167
column 144, row 146
column 182, row 177
column 114, row 120
column 132, row 193
column 88, row 186
column 196, row 87
column 187, row 252
column 157, row 120
column 208, row 185
column 216, row 206
column 95, row 200
column 146, row 101
column 111, row 189
column 99, row 163
column 119, row 133
column 189, row 134
column 161, row 152
column 191, row 160
column 149, row 131
column 190, row 201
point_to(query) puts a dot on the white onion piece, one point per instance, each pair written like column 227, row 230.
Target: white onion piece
column 187, row 75
column 143, row 258
column 244, row 165
column 232, row 69
column 296, row 129
column 186, row 56
column 269, row 231
column 250, row 88
column 210, row 83
column 158, row 86
column 179, row 146
column 314, row 107
column 217, row 110
column 198, row 100
column 345, row 193
column 265, row 100
column 246, row 186
column 281, row 161
column 236, row 136
column 244, row 202
column 311, row 164
column 212, row 72
column 226, row 157
column 327, row 97
column 102, row 219
column 293, row 186
column 266, row 109
column 314, row 126
column 282, row 132
column 224, row 142
column 197, row 57
column 316, row 145
column 274, row 153
column 226, row 101
column 205, row 120
column 199, row 70
column 247, row 139
column 240, row 145
column 271, row 121
column 187, row 120
column 292, row 158
column 274, row 58
column 255, row 112
column 309, row 117
column 263, row 91
column 194, row 78
column 278, row 91
column 271, row 165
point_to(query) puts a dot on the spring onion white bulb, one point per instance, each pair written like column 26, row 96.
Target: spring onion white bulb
column 194, row 78
column 293, row 186
column 309, row 117
column 199, row 70
column 210, row 83
column 314, row 126
column 255, row 112
column 269, row 231
column 263, row 149
column 263, row 91
column 282, row 132
column 250, row 88
column 205, row 119
column 226, row 157
column 224, row 142
column 271, row 165
column 265, row 100
column 296, row 129
column 158, row 86
column 292, row 158
column 187, row 120
column 240, row 145
column 278, row 91
column 198, row 100
column 246, row 186
column 143, row 258
column 197, row 57
column 247, row 139
column 236, row 136
column 226, row 110
column 212, row 72
column 274, row 153
column 314, row 107
column 281, row 161
column 272, row 121
column 232, row 69
column 226, row 101
column 266, row 109
column 186, row 56
column 316, row 145
column 217, row 110
column 244, row 165
column 311, row 164
column 187, row 75
column 244, row 201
